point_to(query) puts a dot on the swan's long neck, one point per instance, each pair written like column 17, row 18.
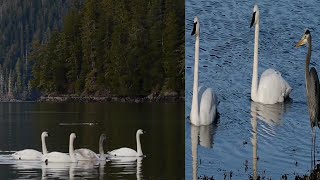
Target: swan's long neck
column 139, row 150
column 194, row 109
column 101, row 150
column 254, row 86
column 71, row 150
column 44, row 147
column 308, row 58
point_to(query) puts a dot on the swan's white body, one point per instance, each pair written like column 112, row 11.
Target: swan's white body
column 272, row 87
column 123, row 152
column 127, row 152
column 27, row 154
column 31, row 154
column 203, row 112
column 56, row 157
column 61, row 157
column 85, row 154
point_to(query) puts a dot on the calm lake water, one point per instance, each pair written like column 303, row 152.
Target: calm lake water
column 21, row 125
column 249, row 139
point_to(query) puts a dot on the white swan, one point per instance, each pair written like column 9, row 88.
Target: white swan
column 62, row 157
column 125, row 152
column 272, row 87
column 31, row 154
column 203, row 112
column 89, row 155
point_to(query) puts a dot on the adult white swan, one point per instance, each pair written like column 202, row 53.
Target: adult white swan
column 31, row 154
column 89, row 155
column 125, row 152
column 272, row 87
column 62, row 157
column 203, row 112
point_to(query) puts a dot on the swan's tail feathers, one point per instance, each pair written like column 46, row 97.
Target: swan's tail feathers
column 288, row 91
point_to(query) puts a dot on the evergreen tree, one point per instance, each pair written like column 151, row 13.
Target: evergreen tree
column 126, row 48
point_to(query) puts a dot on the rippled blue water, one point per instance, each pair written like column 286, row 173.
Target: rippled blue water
column 250, row 139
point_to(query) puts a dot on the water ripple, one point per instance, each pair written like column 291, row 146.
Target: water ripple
column 283, row 135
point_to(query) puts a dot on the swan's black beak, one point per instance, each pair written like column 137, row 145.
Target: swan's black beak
column 194, row 28
column 253, row 19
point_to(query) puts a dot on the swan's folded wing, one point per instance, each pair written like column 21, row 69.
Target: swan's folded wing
column 27, row 154
column 56, row 157
column 272, row 87
column 87, row 154
column 208, row 105
column 123, row 152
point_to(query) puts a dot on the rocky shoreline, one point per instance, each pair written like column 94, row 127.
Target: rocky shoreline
column 173, row 97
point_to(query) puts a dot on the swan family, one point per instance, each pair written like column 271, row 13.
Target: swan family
column 75, row 155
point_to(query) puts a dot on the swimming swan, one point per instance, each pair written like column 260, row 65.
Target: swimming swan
column 62, row 157
column 208, row 103
column 30, row 154
column 125, row 152
column 89, row 155
column 272, row 87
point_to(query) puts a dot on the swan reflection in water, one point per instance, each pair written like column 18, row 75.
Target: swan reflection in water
column 128, row 165
column 71, row 170
column 271, row 115
column 203, row 136
column 83, row 169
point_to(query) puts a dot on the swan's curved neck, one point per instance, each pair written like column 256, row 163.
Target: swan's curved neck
column 101, row 151
column 308, row 57
column 194, row 109
column 254, row 86
column 139, row 150
column 44, row 147
column 71, row 150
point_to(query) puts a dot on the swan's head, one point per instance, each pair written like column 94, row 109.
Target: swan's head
column 140, row 131
column 73, row 136
column 196, row 27
column 255, row 16
column 44, row 134
column 305, row 38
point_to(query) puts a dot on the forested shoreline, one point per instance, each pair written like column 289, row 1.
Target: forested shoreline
column 114, row 48
column 21, row 23
column 88, row 48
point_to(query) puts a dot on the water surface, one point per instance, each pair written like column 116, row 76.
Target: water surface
column 250, row 140
column 21, row 125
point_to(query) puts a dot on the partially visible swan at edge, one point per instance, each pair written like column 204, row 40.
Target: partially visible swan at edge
column 89, row 155
column 127, row 151
column 31, row 154
column 62, row 157
column 203, row 112
column 272, row 87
